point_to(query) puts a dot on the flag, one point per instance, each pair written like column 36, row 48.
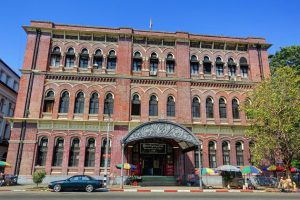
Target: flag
column 150, row 26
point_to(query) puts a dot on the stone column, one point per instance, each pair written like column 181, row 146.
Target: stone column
column 162, row 68
column 66, row 155
column 90, row 65
column 104, row 64
column 82, row 155
column 146, row 65
column 201, row 70
column 51, row 144
column 213, row 70
column 225, row 71
column 98, row 154
column 238, row 72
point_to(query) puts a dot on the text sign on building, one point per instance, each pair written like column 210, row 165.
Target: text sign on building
column 153, row 148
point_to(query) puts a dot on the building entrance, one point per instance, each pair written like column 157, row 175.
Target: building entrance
column 154, row 157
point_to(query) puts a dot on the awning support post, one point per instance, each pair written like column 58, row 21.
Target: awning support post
column 122, row 166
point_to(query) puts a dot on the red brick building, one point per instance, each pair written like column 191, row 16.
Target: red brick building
column 161, row 93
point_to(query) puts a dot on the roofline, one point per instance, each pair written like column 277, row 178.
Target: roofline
column 148, row 31
column 9, row 68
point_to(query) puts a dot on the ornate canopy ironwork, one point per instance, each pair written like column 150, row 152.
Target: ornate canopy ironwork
column 163, row 129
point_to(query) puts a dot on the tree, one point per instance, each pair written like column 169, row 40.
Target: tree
column 287, row 56
column 38, row 177
column 275, row 118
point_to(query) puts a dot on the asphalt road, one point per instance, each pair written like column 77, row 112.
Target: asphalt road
column 144, row 196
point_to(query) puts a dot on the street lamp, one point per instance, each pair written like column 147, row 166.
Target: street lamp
column 107, row 106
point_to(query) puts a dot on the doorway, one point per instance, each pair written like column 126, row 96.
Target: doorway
column 153, row 165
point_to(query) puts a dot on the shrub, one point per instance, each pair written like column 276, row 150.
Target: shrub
column 38, row 177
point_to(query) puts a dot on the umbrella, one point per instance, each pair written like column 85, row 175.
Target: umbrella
column 294, row 170
column 250, row 170
column 126, row 166
column 4, row 164
column 228, row 168
column 275, row 168
column 207, row 171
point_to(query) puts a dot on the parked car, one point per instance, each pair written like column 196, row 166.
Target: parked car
column 78, row 182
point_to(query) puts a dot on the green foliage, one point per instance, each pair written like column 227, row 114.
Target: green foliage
column 275, row 118
column 287, row 56
column 38, row 177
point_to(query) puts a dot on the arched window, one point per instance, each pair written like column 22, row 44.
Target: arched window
column 235, row 109
column 222, row 108
column 90, row 153
column 209, row 108
column 137, row 62
column 239, row 153
column 206, row 65
column 79, row 103
column 153, row 64
column 84, row 58
column 212, row 152
column 196, row 107
column 171, row 106
column 98, row 59
column 244, row 67
column 231, row 67
column 170, row 63
column 74, row 153
column 42, row 152
column 135, row 105
column 194, row 63
column 64, row 102
column 153, row 106
column 111, row 60
column 196, row 156
column 219, row 67
column 10, row 110
column 104, row 154
column 49, row 102
column 2, row 103
column 226, row 153
column 55, row 57
column 58, row 152
column 70, row 58
column 94, row 104
column 109, row 104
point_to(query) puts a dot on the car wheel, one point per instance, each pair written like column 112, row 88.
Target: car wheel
column 57, row 188
column 89, row 188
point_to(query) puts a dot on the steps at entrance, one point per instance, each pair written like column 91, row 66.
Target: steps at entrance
column 158, row 181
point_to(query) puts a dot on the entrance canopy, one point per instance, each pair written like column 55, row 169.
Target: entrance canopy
column 164, row 129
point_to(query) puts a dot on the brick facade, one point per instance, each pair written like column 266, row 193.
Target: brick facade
column 123, row 83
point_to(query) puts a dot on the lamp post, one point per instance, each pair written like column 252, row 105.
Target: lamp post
column 107, row 106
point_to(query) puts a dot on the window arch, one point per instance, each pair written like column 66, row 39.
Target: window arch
column 94, row 103
column 111, row 60
column 206, row 65
column 170, row 63
column 196, row 107
column 98, row 59
column 153, row 106
column 55, row 57
column 84, row 58
column 74, row 153
column 137, row 62
column 235, row 109
column 42, row 151
column 153, row 64
column 109, row 104
column 64, row 102
column 219, row 66
column 244, row 67
column 212, row 151
column 194, row 64
column 226, row 152
column 231, row 67
column 104, row 154
column 135, row 105
column 209, row 107
column 49, row 102
column 58, row 152
column 70, row 57
column 79, row 103
column 239, row 146
column 171, row 106
column 90, row 153
column 222, row 108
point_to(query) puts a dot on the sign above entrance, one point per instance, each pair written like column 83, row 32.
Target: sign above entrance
column 153, row 148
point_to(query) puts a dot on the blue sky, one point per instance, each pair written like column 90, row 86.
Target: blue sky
column 276, row 20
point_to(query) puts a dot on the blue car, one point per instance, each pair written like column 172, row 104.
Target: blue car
column 78, row 182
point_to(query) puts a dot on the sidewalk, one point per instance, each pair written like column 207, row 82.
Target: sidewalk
column 128, row 188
